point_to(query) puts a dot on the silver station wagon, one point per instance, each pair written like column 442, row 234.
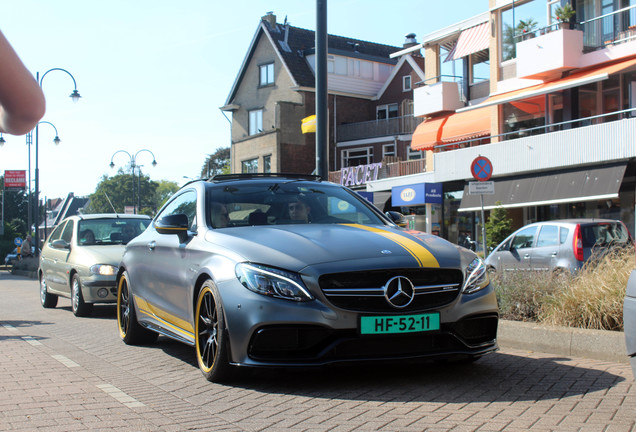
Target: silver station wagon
column 79, row 260
column 288, row 270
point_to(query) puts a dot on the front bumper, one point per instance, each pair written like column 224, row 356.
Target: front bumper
column 266, row 331
column 99, row 289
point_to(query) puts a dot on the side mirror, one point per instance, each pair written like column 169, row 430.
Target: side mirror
column 60, row 244
column 173, row 224
column 397, row 218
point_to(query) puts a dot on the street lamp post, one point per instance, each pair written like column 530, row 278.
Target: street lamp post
column 75, row 96
column 29, row 140
column 133, row 164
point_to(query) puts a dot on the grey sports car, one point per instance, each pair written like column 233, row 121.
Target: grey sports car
column 289, row 270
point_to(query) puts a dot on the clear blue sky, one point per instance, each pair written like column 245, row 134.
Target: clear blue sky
column 153, row 73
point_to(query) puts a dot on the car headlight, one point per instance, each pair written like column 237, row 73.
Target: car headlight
column 476, row 277
column 104, row 270
column 272, row 282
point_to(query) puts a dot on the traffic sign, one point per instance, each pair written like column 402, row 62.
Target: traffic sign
column 481, row 188
column 481, row 168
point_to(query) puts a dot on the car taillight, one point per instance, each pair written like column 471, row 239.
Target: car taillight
column 577, row 245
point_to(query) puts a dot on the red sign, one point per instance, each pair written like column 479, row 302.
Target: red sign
column 481, row 168
column 15, row 179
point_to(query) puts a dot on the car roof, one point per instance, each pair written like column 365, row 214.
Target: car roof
column 575, row 221
column 107, row 216
column 222, row 178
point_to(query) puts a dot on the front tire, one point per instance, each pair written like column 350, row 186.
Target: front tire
column 79, row 307
column 47, row 300
column 211, row 339
column 130, row 331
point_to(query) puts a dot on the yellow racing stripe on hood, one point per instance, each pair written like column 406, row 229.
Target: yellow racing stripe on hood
column 422, row 255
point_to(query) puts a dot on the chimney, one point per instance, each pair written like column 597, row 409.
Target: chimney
column 270, row 18
column 410, row 40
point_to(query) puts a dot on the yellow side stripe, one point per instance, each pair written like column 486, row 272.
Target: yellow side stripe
column 422, row 255
column 169, row 320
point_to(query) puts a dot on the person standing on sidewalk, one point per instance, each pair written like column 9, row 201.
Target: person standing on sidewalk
column 25, row 249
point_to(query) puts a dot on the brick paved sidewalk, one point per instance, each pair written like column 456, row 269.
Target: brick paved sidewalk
column 62, row 373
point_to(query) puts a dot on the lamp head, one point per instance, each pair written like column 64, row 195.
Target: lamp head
column 57, row 140
column 154, row 163
column 112, row 164
column 75, row 96
column 2, row 140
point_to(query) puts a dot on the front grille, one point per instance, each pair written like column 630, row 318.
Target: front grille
column 315, row 345
column 363, row 291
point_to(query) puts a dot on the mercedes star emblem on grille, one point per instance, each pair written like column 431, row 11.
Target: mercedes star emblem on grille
column 399, row 292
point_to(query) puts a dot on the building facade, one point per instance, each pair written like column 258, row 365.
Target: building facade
column 549, row 103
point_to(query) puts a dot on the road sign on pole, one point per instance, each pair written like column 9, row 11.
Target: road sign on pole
column 481, row 168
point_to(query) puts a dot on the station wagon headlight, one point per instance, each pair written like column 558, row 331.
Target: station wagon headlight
column 104, row 270
column 272, row 282
column 476, row 277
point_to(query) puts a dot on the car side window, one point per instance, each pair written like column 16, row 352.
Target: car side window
column 524, row 238
column 548, row 236
column 67, row 234
column 57, row 233
column 563, row 235
column 186, row 204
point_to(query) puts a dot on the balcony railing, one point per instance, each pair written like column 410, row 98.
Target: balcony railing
column 378, row 128
column 552, row 127
column 615, row 27
column 599, row 32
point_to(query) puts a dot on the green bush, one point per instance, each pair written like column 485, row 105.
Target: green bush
column 591, row 299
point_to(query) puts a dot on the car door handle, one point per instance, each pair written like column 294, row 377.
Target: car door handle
column 152, row 245
column 554, row 254
column 526, row 256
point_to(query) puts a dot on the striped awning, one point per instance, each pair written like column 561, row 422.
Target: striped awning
column 471, row 40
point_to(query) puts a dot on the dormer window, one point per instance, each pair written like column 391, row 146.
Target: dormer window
column 406, row 83
column 266, row 74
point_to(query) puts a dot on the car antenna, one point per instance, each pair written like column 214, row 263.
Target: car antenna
column 111, row 204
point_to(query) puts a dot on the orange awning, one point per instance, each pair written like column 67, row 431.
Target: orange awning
column 595, row 74
column 428, row 134
column 466, row 125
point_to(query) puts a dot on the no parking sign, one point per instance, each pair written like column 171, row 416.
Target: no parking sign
column 481, row 168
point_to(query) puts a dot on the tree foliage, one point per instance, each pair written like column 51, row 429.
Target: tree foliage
column 165, row 189
column 216, row 163
column 117, row 192
column 15, row 217
column 498, row 226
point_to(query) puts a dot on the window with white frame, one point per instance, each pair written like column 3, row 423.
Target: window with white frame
column 249, row 166
column 255, row 121
column 355, row 157
column 406, row 83
column 386, row 111
column 388, row 150
column 266, row 74
column 415, row 154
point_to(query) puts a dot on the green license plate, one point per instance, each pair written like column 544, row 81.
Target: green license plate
column 399, row 323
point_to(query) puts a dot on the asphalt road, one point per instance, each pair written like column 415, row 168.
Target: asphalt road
column 62, row 373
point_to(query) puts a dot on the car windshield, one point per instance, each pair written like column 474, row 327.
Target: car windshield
column 110, row 231
column 280, row 202
column 604, row 233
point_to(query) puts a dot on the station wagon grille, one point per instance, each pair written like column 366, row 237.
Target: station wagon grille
column 363, row 291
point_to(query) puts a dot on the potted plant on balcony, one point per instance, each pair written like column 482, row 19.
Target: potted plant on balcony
column 563, row 15
column 526, row 28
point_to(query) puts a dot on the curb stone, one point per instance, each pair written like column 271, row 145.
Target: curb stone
column 576, row 342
